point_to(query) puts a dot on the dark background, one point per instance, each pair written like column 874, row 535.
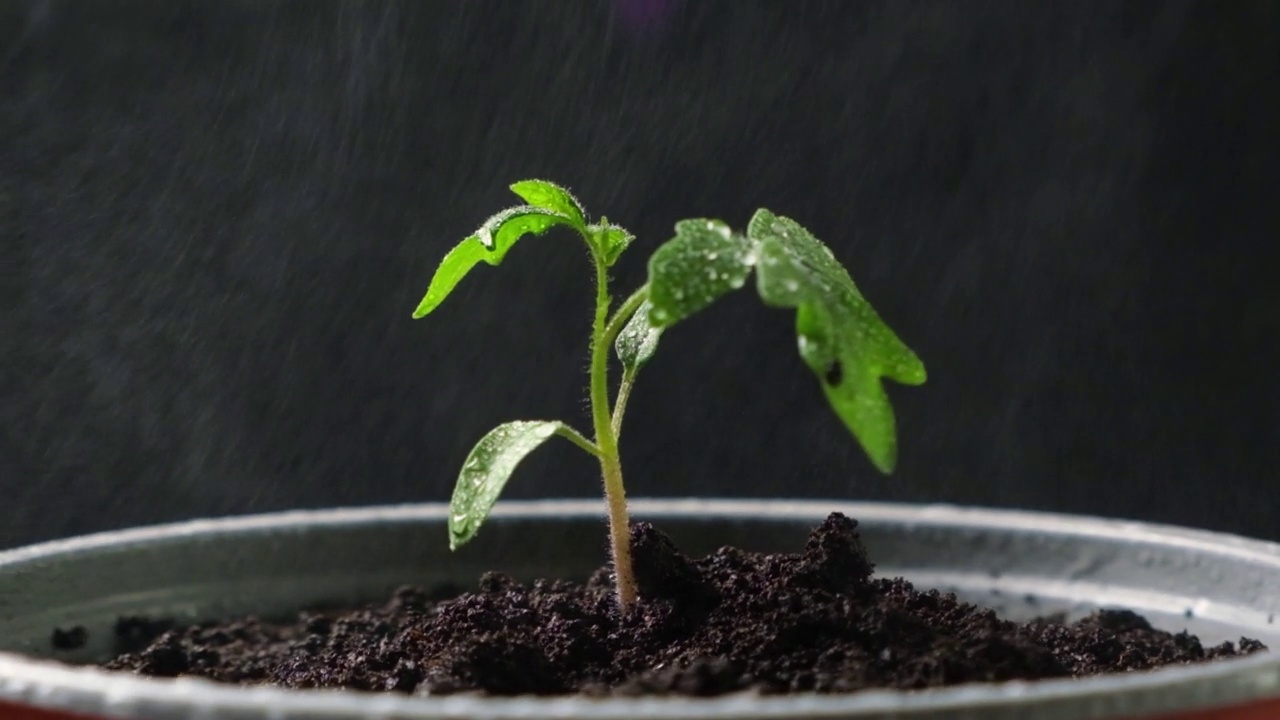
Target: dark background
column 217, row 217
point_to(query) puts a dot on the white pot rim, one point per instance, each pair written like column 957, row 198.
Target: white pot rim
column 57, row 686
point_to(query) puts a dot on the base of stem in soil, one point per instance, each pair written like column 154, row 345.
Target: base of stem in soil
column 814, row 621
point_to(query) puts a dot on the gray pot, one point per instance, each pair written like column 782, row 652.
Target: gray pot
column 1022, row 564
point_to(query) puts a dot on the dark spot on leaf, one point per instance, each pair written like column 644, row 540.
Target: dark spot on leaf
column 835, row 373
column 71, row 639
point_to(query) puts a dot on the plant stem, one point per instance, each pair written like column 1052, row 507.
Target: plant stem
column 607, row 443
column 576, row 438
column 620, row 402
column 625, row 311
column 619, row 321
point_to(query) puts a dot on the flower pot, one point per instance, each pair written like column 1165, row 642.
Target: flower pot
column 1021, row 564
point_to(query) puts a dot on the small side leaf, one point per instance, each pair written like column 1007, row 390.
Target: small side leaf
column 612, row 239
column 638, row 340
column 489, row 244
column 487, row 469
column 704, row 261
column 841, row 337
column 549, row 196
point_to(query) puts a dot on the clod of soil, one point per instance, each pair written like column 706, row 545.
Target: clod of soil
column 775, row 623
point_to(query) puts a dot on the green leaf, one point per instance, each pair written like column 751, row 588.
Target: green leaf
column 612, row 240
column 549, row 196
column 841, row 337
column 489, row 244
column 704, row 261
column 490, row 465
column 638, row 340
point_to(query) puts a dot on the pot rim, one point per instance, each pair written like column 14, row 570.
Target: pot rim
column 60, row 685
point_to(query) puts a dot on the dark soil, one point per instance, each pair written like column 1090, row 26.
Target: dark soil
column 816, row 621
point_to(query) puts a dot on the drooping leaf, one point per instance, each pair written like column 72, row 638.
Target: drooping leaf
column 487, row 469
column 489, row 244
column 638, row 340
column 613, row 240
column 704, row 261
column 841, row 337
column 549, row 196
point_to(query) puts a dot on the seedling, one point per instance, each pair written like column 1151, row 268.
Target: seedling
column 840, row 337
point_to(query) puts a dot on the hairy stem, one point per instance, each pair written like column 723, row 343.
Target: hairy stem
column 576, row 438
column 620, row 402
column 625, row 311
column 607, row 443
column 619, row 321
